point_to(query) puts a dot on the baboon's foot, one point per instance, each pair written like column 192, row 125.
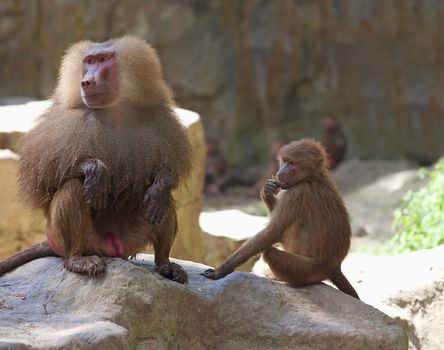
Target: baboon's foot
column 93, row 266
column 173, row 272
column 215, row 274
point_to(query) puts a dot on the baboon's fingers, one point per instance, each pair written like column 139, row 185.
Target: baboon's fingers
column 271, row 187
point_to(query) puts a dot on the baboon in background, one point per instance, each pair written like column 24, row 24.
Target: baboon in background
column 334, row 141
column 215, row 169
column 309, row 219
column 103, row 160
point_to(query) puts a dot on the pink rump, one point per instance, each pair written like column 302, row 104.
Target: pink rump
column 114, row 246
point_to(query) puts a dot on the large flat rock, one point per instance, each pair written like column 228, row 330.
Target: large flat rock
column 131, row 307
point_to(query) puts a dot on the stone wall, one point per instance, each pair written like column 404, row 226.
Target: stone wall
column 260, row 70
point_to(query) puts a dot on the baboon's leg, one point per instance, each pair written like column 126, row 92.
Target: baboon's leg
column 69, row 222
column 298, row 270
column 165, row 235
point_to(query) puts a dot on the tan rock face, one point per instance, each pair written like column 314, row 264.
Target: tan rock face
column 261, row 70
column 20, row 228
column 225, row 231
column 131, row 307
column 188, row 197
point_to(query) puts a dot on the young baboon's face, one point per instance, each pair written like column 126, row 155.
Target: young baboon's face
column 300, row 160
column 287, row 173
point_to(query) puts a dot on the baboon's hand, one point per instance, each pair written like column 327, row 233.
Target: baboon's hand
column 270, row 188
column 215, row 274
column 156, row 202
column 96, row 185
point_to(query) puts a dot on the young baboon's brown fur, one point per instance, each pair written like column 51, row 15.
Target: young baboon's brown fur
column 309, row 219
column 103, row 175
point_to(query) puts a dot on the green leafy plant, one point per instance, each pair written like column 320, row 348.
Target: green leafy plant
column 419, row 221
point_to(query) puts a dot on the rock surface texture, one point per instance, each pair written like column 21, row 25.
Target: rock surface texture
column 20, row 228
column 408, row 287
column 43, row 306
column 261, row 70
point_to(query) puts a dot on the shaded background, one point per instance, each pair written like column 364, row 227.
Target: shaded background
column 259, row 70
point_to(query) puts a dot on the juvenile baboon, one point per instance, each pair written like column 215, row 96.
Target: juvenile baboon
column 103, row 160
column 309, row 219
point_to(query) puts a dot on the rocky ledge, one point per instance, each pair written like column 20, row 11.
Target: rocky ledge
column 43, row 306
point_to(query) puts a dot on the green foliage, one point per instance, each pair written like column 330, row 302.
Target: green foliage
column 419, row 221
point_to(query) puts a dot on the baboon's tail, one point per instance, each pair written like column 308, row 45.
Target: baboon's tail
column 39, row 250
column 340, row 281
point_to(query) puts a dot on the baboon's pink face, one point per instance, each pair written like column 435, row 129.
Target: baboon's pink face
column 100, row 83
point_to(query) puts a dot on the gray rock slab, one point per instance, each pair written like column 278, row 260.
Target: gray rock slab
column 43, row 306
